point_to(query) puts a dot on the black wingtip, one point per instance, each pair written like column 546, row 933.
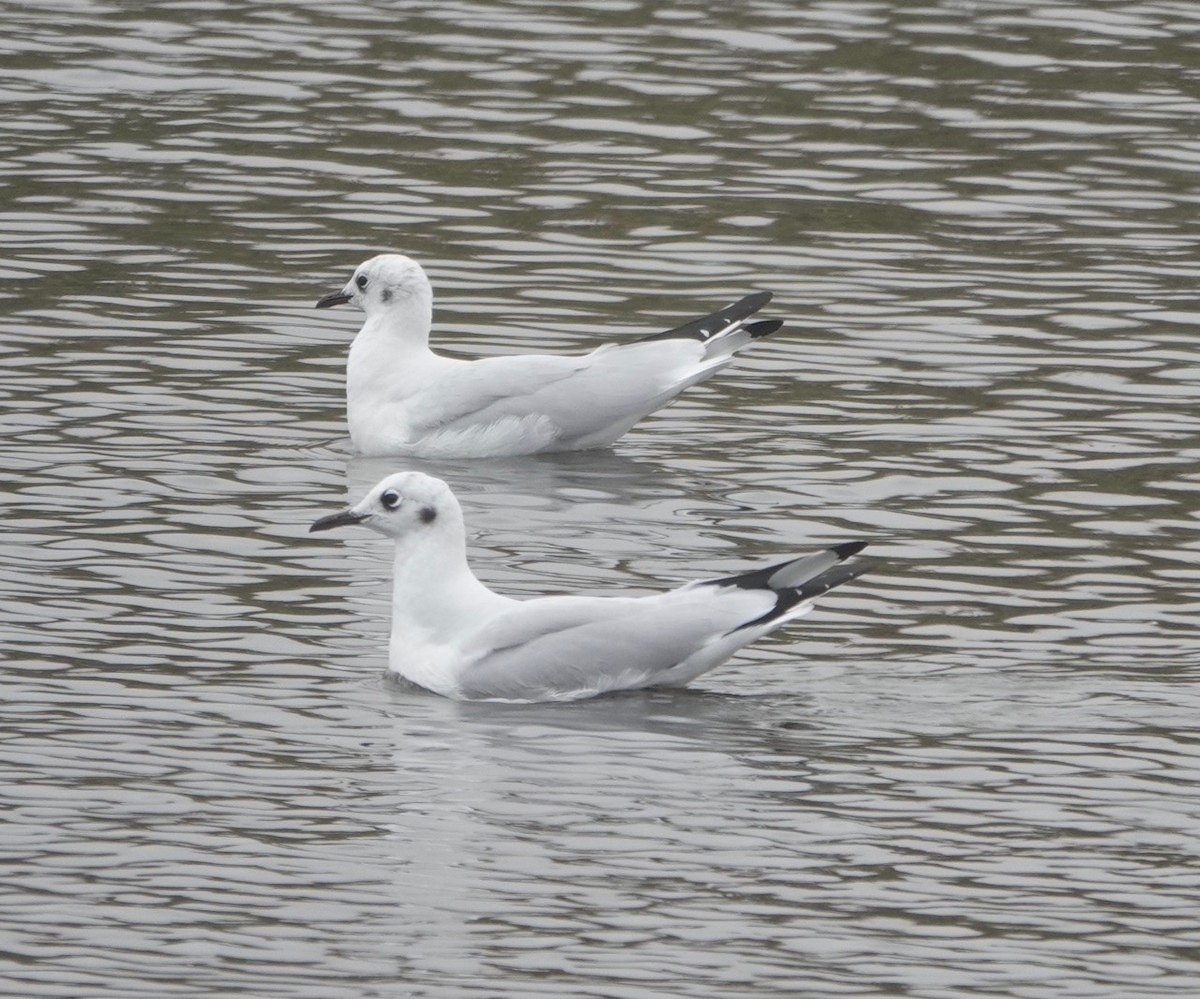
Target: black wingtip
column 764, row 327
column 785, row 600
column 753, row 302
column 760, row 579
column 703, row 328
column 830, row 578
column 848, row 548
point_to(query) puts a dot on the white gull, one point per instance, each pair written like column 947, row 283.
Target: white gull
column 402, row 398
column 454, row 636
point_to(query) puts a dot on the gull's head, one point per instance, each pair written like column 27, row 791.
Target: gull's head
column 407, row 503
column 388, row 281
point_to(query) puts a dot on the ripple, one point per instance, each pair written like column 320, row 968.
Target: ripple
column 972, row 772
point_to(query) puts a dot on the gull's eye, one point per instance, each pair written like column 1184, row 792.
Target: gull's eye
column 390, row 499
column 361, row 280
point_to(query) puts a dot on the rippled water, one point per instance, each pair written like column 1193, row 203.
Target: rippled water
column 971, row 773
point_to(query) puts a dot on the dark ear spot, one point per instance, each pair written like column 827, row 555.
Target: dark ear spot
column 386, row 295
column 428, row 515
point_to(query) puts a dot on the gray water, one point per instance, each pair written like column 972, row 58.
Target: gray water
column 971, row 773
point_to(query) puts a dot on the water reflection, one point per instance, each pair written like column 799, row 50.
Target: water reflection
column 543, row 480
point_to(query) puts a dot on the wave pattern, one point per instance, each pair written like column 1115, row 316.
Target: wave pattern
column 972, row 772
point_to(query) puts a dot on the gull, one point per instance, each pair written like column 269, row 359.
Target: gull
column 402, row 398
column 456, row 637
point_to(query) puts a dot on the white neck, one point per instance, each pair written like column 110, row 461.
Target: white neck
column 436, row 598
column 393, row 331
column 406, row 318
column 388, row 362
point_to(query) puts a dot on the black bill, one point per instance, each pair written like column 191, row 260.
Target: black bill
column 342, row 519
column 337, row 298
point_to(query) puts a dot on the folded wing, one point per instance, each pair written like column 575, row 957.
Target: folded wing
column 561, row 648
column 587, row 400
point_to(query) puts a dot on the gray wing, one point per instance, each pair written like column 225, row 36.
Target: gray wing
column 615, row 384
column 575, row 394
column 566, row 647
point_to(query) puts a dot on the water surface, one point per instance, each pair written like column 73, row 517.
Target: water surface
column 972, row 773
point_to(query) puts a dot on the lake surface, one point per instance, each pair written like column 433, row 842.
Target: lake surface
column 970, row 773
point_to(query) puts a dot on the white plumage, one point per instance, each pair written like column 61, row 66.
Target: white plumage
column 454, row 636
column 402, row 398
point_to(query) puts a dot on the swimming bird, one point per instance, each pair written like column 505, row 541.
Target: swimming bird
column 402, row 398
column 454, row 636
